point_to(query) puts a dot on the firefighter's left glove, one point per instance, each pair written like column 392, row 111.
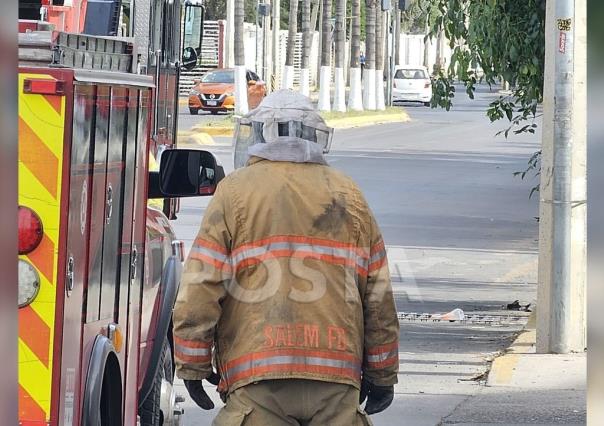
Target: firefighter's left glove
column 378, row 397
column 197, row 392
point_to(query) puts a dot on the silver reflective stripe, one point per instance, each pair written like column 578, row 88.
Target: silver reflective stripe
column 291, row 359
column 381, row 357
column 185, row 350
column 210, row 253
column 379, row 255
column 319, row 249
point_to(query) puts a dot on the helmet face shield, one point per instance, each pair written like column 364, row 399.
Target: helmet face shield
column 282, row 115
column 244, row 136
column 248, row 133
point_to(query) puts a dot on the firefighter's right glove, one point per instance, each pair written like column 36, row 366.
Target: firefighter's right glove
column 197, row 392
column 378, row 397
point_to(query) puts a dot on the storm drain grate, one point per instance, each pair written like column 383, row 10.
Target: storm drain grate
column 468, row 319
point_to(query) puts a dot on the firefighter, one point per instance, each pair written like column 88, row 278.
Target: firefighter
column 286, row 290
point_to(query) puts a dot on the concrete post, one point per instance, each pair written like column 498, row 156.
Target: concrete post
column 561, row 319
column 276, row 59
column 267, row 57
column 229, row 41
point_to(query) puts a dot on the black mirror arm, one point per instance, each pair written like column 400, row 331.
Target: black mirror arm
column 153, row 191
column 203, row 16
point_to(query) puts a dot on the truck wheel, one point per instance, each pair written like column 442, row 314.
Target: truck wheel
column 161, row 408
column 194, row 111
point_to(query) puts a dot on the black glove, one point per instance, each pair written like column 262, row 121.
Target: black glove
column 197, row 392
column 378, row 397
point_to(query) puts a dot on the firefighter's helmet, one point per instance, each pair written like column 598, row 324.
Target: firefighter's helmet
column 282, row 115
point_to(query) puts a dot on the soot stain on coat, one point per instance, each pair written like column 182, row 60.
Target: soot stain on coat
column 216, row 218
column 334, row 216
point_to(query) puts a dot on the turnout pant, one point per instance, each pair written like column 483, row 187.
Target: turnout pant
column 293, row 402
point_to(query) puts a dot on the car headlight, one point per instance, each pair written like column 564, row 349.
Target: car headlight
column 29, row 283
column 194, row 92
column 229, row 94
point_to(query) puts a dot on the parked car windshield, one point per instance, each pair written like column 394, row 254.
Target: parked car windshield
column 410, row 74
column 219, row 77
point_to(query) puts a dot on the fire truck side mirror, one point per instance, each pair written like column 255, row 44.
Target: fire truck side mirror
column 185, row 173
column 192, row 34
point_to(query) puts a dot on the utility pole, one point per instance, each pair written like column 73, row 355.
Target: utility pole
column 256, row 59
column 561, row 319
column 397, row 34
column 274, row 83
column 319, row 10
column 229, row 41
column 267, row 60
column 391, row 57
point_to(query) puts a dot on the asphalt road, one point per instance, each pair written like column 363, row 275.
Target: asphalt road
column 460, row 231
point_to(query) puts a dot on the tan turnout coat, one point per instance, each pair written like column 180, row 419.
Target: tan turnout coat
column 287, row 278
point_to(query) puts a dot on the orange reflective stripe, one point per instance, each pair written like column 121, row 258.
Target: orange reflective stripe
column 38, row 158
column 330, row 251
column 379, row 246
column 291, row 360
column 222, row 266
column 209, row 244
column 35, row 333
column 377, row 256
column 211, row 253
column 382, row 356
column 192, row 350
column 42, row 260
column 29, row 409
column 302, row 240
column 300, row 254
column 377, row 265
column 56, row 102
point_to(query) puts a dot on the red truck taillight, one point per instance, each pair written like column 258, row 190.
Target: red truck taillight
column 30, row 236
column 30, row 230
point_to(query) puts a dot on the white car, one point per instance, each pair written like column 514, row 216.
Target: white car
column 411, row 84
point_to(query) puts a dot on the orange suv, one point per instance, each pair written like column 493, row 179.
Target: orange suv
column 216, row 91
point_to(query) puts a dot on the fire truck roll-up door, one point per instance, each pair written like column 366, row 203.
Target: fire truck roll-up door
column 105, row 249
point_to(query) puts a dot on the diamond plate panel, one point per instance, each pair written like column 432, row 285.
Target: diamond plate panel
column 142, row 21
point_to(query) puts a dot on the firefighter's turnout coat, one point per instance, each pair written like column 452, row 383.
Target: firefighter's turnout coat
column 287, row 278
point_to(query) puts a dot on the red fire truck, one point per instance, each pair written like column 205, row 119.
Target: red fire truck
column 98, row 268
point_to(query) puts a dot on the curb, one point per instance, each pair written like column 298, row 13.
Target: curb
column 365, row 121
column 214, row 130
column 194, row 139
column 503, row 367
column 336, row 123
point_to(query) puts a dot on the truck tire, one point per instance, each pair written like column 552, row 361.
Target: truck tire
column 150, row 410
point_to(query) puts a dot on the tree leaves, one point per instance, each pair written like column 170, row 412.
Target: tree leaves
column 503, row 38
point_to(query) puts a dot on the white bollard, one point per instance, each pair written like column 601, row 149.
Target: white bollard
column 288, row 77
column 305, row 81
column 324, row 89
column 369, row 89
column 241, row 105
column 379, row 90
column 339, row 98
column 355, row 96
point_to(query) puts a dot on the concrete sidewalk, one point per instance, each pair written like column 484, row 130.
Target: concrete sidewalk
column 525, row 388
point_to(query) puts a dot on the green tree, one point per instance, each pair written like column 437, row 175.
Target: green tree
column 506, row 40
column 414, row 18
